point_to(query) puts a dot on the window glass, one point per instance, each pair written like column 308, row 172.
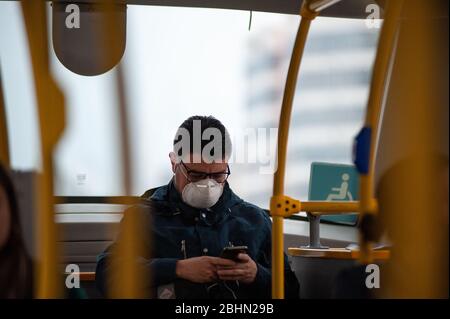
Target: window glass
column 18, row 89
column 190, row 61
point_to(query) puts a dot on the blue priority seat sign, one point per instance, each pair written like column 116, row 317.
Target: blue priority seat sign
column 334, row 182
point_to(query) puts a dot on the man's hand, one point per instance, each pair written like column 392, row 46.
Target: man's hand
column 244, row 271
column 201, row 269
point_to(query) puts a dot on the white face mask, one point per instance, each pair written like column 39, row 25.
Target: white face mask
column 202, row 194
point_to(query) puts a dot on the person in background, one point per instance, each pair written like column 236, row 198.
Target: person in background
column 188, row 222
column 15, row 264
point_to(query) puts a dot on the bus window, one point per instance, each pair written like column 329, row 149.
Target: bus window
column 18, row 90
column 184, row 61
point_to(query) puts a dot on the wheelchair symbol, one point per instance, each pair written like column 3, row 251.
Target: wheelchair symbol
column 342, row 192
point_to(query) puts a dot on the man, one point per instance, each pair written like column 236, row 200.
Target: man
column 194, row 217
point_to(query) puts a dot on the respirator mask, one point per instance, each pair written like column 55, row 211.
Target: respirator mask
column 202, row 194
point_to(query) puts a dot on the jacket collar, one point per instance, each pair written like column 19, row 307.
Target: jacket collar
column 170, row 196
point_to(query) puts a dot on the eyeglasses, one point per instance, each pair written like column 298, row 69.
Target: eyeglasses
column 194, row 176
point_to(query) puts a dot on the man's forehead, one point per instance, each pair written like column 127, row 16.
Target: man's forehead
column 202, row 165
column 199, row 159
column 207, row 166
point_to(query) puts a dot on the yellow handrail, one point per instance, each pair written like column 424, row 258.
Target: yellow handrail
column 309, row 10
column 129, row 280
column 413, row 185
column 278, row 185
column 50, row 102
column 329, row 208
column 285, row 206
column 372, row 119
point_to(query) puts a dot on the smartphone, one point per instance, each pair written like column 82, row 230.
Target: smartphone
column 233, row 252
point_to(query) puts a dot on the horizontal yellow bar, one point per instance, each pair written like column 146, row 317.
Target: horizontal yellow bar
column 321, row 207
column 332, row 213
column 285, row 206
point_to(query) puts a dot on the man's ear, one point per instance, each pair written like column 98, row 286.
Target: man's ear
column 173, row 160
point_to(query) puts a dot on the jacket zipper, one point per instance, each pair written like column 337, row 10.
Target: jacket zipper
column 183, row 248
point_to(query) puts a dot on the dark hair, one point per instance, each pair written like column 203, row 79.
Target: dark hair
column 15, row 264
column 196, row 126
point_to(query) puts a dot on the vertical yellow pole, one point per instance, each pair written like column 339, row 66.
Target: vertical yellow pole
column 377, row 89
column 50, row 102
column 4, row 145
column 413, row 189
column 129, row 280
column 283, row 130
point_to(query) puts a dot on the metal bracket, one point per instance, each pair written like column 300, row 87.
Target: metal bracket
column 284, row 206
column 314, row 232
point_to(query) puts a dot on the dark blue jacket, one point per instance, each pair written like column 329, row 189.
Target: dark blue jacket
column 204, row 232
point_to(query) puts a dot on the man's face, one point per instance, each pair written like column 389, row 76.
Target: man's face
column 182, row 170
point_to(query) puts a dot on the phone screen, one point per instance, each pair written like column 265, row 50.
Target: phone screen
column 233, row 252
